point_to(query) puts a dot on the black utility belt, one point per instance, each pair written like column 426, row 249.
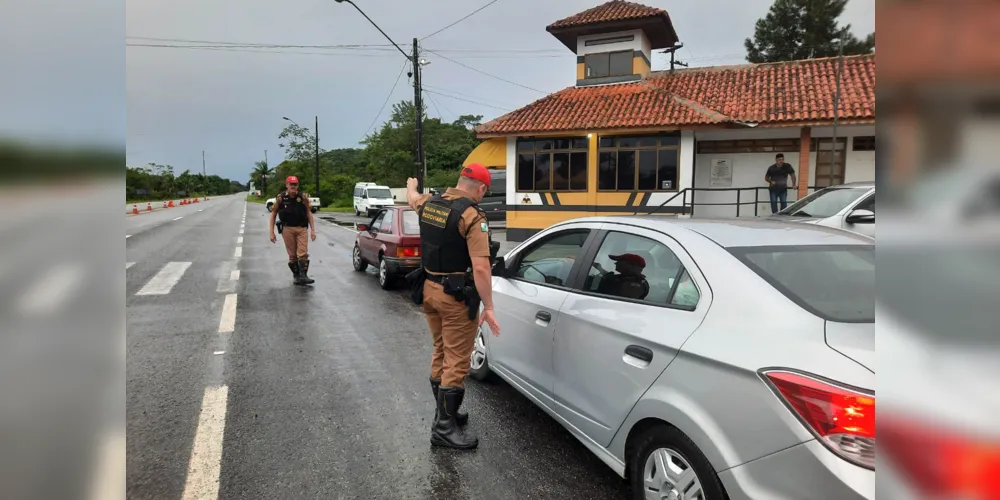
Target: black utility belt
column 440, row 279
column 294, row 225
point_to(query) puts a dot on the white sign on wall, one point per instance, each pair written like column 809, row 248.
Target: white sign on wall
column 722, row 172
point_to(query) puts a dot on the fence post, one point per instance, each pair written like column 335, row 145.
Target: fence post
column 756, row 202
column 738, row 193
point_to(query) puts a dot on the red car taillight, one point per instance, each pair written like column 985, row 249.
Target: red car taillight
column 843, row 419
column 939, row 462
column 407, row 251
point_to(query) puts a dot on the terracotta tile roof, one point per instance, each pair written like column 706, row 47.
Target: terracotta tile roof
column 615, row 10
column 788, row 93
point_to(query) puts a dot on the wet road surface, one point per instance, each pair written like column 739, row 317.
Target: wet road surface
column 241, row 385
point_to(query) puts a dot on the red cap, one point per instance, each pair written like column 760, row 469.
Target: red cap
column 478, row 172
column 292, row 178
column 629, row 257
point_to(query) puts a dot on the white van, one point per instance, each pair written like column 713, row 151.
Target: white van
column 370, row 197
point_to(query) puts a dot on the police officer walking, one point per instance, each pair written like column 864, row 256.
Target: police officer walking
column 454, row 237
column 296, row 216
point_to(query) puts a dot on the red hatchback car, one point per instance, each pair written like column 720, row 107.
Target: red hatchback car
column 391, row 242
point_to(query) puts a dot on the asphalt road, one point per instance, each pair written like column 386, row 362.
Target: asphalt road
column 242, row 385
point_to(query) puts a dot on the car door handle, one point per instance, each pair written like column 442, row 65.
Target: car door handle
column 544, row 316
column 639, row 352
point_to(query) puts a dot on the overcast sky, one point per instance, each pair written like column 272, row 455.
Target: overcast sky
column 230, row 103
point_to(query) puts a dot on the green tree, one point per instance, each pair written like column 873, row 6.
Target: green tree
column 803, row 29
column 260, row 169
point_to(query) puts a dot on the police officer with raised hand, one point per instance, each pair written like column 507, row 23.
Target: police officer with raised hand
column 454, row 237
column 296, row 217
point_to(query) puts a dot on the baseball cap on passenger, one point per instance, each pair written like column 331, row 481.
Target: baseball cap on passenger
column 292, row 179
column 629, row 257
column 478, row 172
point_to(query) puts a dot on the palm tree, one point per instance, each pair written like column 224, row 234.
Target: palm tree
column 260, row 173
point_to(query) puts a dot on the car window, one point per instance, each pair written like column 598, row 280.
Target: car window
column 633, row 267
column 686, row 293
column 824, row 203
column 378, row 220
column 381, row 193
column 551, row 260
column 411, row 222
column 867, row 204
column 386, row 225
column 836, row 283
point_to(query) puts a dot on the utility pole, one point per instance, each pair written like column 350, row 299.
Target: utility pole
column 673, row 52
column 202, row 162
column 418, row 104
column 317, row 156
column 836, row 107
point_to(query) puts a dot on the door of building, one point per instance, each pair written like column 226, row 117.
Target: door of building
column 830, row 162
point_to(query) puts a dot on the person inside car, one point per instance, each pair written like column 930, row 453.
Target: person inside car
column 626, row 280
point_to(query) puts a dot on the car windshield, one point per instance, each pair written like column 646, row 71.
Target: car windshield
column 379, row 193
column 411, row 224
column 824, row 203
column 836, row 283
column 944, row 291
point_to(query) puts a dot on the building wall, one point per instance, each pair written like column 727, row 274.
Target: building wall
column 639, row 43
column 749, row 168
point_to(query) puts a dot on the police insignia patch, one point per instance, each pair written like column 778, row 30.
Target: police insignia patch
column 299, row 199
column 484, row 227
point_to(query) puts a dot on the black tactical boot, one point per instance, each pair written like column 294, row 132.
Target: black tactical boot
column 446, row 431
column 461, row 417
column 294, row 266
column 304, row 278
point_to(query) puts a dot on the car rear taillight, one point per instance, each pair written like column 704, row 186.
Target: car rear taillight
column 843, row 419
column 407, row 251
column 942, row 463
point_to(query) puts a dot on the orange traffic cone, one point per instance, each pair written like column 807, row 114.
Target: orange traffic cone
column 135, row 209
column 196, row 200
column 164, row 204
column 149, row 207
column 170, row 204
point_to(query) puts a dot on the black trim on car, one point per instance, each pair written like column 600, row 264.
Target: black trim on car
column 514, row 264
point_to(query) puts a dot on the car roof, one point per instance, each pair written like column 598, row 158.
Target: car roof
column 743, row 232
column 858, row 184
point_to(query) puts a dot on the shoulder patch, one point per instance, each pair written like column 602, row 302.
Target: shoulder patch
column 484, row 227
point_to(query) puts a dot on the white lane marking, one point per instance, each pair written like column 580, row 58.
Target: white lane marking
column 129, row 264
column 206, row 455
column 127, row 236
column 164, row 281
column 54, row 288
column 239, row 252
column 228, row 321
column 219, row 352
column 241, row 230
column 235, row 275
column 239, row 240
column 202, row 209
column 179, row 218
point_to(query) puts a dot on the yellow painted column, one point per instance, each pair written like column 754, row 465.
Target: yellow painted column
column 592, row 157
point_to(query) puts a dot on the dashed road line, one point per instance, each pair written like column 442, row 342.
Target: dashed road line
column 219, row 352
column 164, row 281
column 52, row 290
column 228, row 321
column 179, row 218
column 239, row 252
column 235, row 275
column 127, row 236
column 239, row 241
column 129, row 264
column 206, row 455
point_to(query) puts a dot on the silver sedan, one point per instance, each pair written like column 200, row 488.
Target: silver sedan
column 699, row 359
column 847, row 206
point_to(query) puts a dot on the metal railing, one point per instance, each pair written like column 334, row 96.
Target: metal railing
column 689, row 206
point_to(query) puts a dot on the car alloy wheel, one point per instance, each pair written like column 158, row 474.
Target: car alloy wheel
column 359, row 263
column 384, row 279
column 668, row 475
column 479, row 366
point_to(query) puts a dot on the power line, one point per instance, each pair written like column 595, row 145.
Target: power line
column 433, row 103
column 259, row 44
column 470, row 96
column 403, row 68
column 465, row 100
column 460, row 20
column 452, row 113
column 485, row 73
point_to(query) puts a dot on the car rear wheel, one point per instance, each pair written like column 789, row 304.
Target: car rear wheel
column 664, row 463
column 385, row 280
column 359, row 262
column 479, row 365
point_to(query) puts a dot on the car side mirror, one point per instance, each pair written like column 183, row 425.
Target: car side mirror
column 393, row 197
column 861, row 216
column 361, row 227
column 499, row 268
